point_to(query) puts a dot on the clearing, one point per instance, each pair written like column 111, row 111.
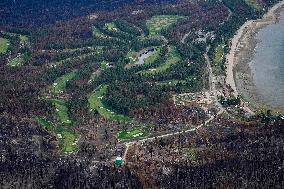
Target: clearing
column 111, row 26
column 132, row 134
column 98, row 33
column 96, row 51
column 132, row 57
column 219, row 56
column 18, row 61
column 4, row 45
column 45, row 123
column 104, row 65
column 160, row 22
column 191, row 154
column 25, row 40
column 255, row 4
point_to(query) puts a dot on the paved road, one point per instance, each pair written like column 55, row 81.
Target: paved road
column 129, row 144
column 212, row 89
column 184, row 37
column 212, row 86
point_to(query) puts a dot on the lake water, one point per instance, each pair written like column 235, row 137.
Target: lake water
column 267, row 64
column 145, row 55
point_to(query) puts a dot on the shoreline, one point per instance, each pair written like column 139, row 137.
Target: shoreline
column 238, row 73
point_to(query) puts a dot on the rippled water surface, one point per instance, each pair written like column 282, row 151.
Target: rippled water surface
column 268, row 64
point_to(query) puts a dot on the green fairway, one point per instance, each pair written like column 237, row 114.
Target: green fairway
column 25, row 40
column 132, row 134
column 104, row 65
column 191, row 154
column 67, row 140
column 95, row 102
column 96, row 51
column 60, row 84
column 98, row 33
column 4, row 45
column 160, row 22
column 173, row 58
column 61, row 110
column 219, row 56
column 15, row 62
column 45, row 123
column 111, row 26
column 151, row 59
column 67, row 137
column 255, row 4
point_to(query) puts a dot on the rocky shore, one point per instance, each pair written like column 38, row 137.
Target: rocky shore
column 238, row 73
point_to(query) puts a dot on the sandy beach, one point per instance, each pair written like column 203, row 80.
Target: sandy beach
column 238, row 74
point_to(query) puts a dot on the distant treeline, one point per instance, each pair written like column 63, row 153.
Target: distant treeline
column 37, row 12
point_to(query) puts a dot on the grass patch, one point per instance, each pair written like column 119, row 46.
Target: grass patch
column 62, row 111
column 173, row 58
column 191, row 154
column 132, row 134
column 219, row 57
column 96, row 51
column 132, row 57
column 104, row 65
column 96, row 103
column 160, row 22
column 111, row 26
column 15, row 62
column 45, row 123
column 98, row 33
column 254, row 4
column 25, row 40
column 4, row 45
column 60, row 84
column 67, row 139
column 151, row 59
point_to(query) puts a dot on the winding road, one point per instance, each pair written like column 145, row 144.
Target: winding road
column 212, row 89
column 129, row 144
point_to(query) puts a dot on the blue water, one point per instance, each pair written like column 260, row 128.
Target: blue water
column 145, row 55
column 267, row 64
